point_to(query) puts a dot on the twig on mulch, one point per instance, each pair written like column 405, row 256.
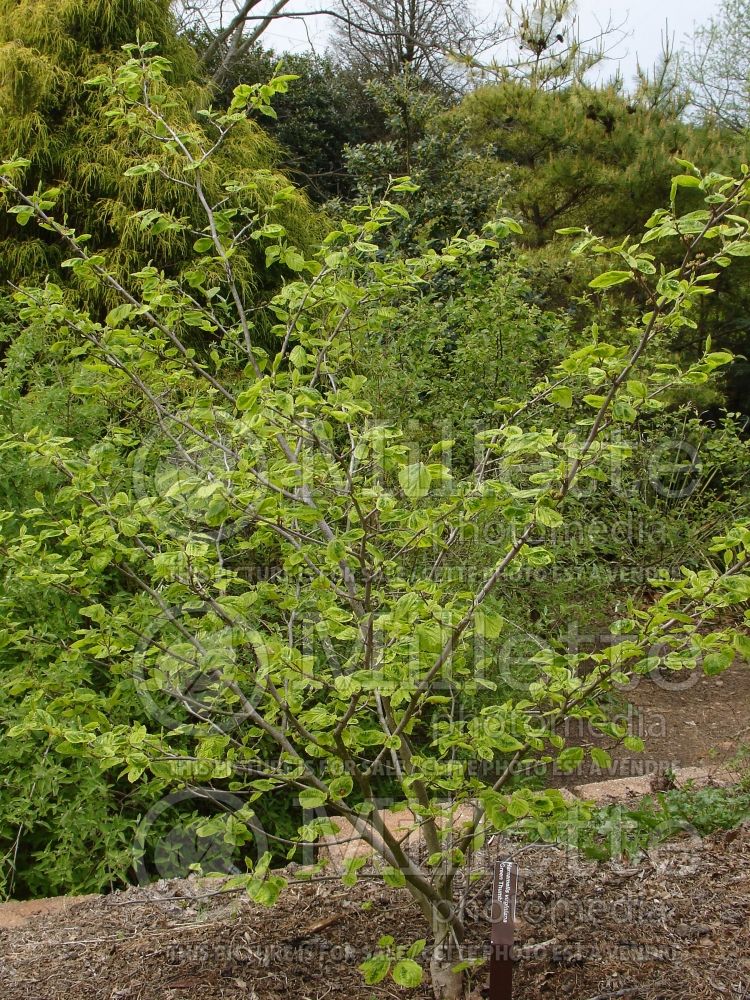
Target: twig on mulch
column 316, row 928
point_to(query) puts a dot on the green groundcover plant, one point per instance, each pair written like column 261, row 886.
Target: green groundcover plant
column 266, row 560
column 629, row 831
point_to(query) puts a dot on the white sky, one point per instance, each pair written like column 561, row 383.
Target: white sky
column 645, row 24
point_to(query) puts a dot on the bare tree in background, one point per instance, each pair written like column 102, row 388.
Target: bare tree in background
column 232, row 27
column 382, row 37
column 541, row 44
column 718, row 67
column 438, row 40
column 429, row 39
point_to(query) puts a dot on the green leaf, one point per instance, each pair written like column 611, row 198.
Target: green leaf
column 416, row 948
column 686, row 165
column 610, row 278
column 407, row 973
column 375, row 969
column 716, row 359
column 717, row 663
column 739, row 249
column 142, row 168
column 266, row 891
column 23, row 214
column 624, row 411
column 518, row 807
column 335, row 550
column 549, row 517
column 506, row 743
column 404, row 184
column 593, row 400
column 488, row 623
column 634, row 743
column 353, row 865
column 312, row 798
column 96, row 612
column 562, row 396
column 415, row 480
column 570, row 759
column 394, row 877
column 118, row 314
column 128, row 526
column 298, row 356
column 294, row 259
column 248, row 397
column 13, row 166
column 683, row 180
column 601, row 758
column 342, row 786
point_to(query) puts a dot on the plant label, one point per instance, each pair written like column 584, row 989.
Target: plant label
column 504, row 888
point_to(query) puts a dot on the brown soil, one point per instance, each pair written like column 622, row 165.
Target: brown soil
column 675, row 926
column 684, row 720
column 17, row 913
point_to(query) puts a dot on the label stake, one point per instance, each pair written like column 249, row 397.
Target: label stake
column 503, row 914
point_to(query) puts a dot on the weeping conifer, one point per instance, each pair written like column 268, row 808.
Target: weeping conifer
column 49, row 49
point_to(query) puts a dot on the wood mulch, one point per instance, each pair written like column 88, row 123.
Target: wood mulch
column 674, row 925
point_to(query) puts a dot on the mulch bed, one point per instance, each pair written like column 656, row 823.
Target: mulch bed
column 674, row 925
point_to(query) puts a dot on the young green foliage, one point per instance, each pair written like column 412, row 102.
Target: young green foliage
column 281, row 604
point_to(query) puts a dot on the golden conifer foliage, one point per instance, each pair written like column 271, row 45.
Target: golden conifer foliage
column 49, row 50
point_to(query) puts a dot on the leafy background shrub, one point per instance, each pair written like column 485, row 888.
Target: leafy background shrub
column 442, row 364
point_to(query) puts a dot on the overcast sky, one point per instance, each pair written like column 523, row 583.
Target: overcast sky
column 645, row 22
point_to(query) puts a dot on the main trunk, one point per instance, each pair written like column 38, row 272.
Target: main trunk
column 446, row 984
